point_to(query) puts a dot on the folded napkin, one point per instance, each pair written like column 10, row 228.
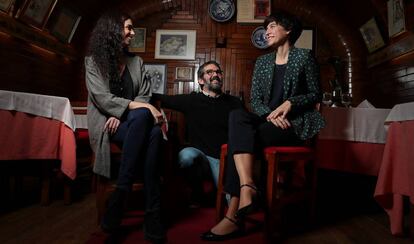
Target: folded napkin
column 365, row 104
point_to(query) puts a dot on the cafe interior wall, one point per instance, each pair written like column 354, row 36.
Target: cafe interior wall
column 28, row 68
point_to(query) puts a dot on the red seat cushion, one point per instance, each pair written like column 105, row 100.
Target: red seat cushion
column 272, row 150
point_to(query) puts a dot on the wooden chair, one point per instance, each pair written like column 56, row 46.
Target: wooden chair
column 277, row 197
column 105, row 186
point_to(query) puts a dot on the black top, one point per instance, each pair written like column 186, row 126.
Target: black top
column 276, row 94
column 206, row 118
column 127, row 86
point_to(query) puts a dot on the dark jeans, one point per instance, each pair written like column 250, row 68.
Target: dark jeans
column 250, row 133
column 140, row 141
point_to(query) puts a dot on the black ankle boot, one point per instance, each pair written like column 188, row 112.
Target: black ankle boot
column 154, row 230
column 115, row 209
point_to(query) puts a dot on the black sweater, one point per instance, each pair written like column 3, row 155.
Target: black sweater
column 206, row 118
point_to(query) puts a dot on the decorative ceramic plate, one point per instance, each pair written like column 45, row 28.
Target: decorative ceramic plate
column 259, row 38
column 221, row 10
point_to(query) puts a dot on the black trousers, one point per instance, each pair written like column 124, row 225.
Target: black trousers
column 141, row 142
column 250, row 133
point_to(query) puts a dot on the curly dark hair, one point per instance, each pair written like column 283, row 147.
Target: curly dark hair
column 105, row 44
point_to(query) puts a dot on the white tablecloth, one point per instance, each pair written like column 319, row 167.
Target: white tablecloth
column 401, row 112
column 354, row 124
column 53, row 107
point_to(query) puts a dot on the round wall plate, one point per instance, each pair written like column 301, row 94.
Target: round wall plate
column 221, row 10
column 259, row 38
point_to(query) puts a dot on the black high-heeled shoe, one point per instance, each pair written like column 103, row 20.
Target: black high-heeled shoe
column 246, row 210
column 210, row 236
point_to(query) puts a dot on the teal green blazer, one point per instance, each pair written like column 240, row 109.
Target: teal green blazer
column 301, row 88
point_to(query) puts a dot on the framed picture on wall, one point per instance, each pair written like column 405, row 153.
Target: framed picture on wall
column 138, row 42
column 306, row 39
column 65, row 25
column 157, row 75
column 184, row 73
column 372, row 36
column 396, row 17
column 5, row 5
column 37, row 12
column 253, row 11
column 175, row 44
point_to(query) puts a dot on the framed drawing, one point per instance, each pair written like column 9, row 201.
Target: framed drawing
column 37, row 12
column 372, row 36
column 306, row 39
column 5, row 5
column 65, row 25
column 396, row 17
column 138, row 42
column 184, row 73
column 175, row 44
column 252, row 11
column 157, row 75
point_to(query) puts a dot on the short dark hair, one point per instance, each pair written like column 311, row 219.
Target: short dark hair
column 201, row 70
column 289, row 21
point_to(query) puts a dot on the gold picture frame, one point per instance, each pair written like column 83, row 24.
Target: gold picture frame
column 6, row 5
column 37, row 12
column 372, row 36
column 138, row 42
column 184, row 74
column 396, row 17
column 65, row 25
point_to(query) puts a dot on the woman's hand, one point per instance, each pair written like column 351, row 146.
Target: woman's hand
column 111, row 125
column 278, row 116
column 155, row 113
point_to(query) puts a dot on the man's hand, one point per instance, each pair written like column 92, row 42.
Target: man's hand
column 111, row 125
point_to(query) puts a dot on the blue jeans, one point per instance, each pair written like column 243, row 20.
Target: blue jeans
column 189, row 155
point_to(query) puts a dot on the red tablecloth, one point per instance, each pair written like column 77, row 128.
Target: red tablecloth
column 396, row 175
column 349, row 156
column 25, row 136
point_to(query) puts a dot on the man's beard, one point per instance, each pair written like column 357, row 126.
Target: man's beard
column 215, row 87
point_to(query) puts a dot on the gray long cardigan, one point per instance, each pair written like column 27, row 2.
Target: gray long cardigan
column 102, row 104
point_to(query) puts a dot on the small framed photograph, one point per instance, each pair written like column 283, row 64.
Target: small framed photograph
column 37, row 12
column 6, row 5
column 65, row 25
column 253, row 11
column 175, row 44
column 396, row 17
column 184, row 73
column 138, row 42
column 157, row 75
column 372, row 36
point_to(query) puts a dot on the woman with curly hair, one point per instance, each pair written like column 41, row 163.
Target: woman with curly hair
column 119, row 112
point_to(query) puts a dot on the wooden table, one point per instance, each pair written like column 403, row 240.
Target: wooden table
column 353, row 140
column 38, row 127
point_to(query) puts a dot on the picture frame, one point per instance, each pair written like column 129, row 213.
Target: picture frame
column 396, row 17
column 6, row 5
column 184, row 74
column 175, row 44
column 138, row 42
column 65, row 25
column 157, row 75
column 253, row 11
column 371, row 35
column 306, row 39
column 37, row 12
